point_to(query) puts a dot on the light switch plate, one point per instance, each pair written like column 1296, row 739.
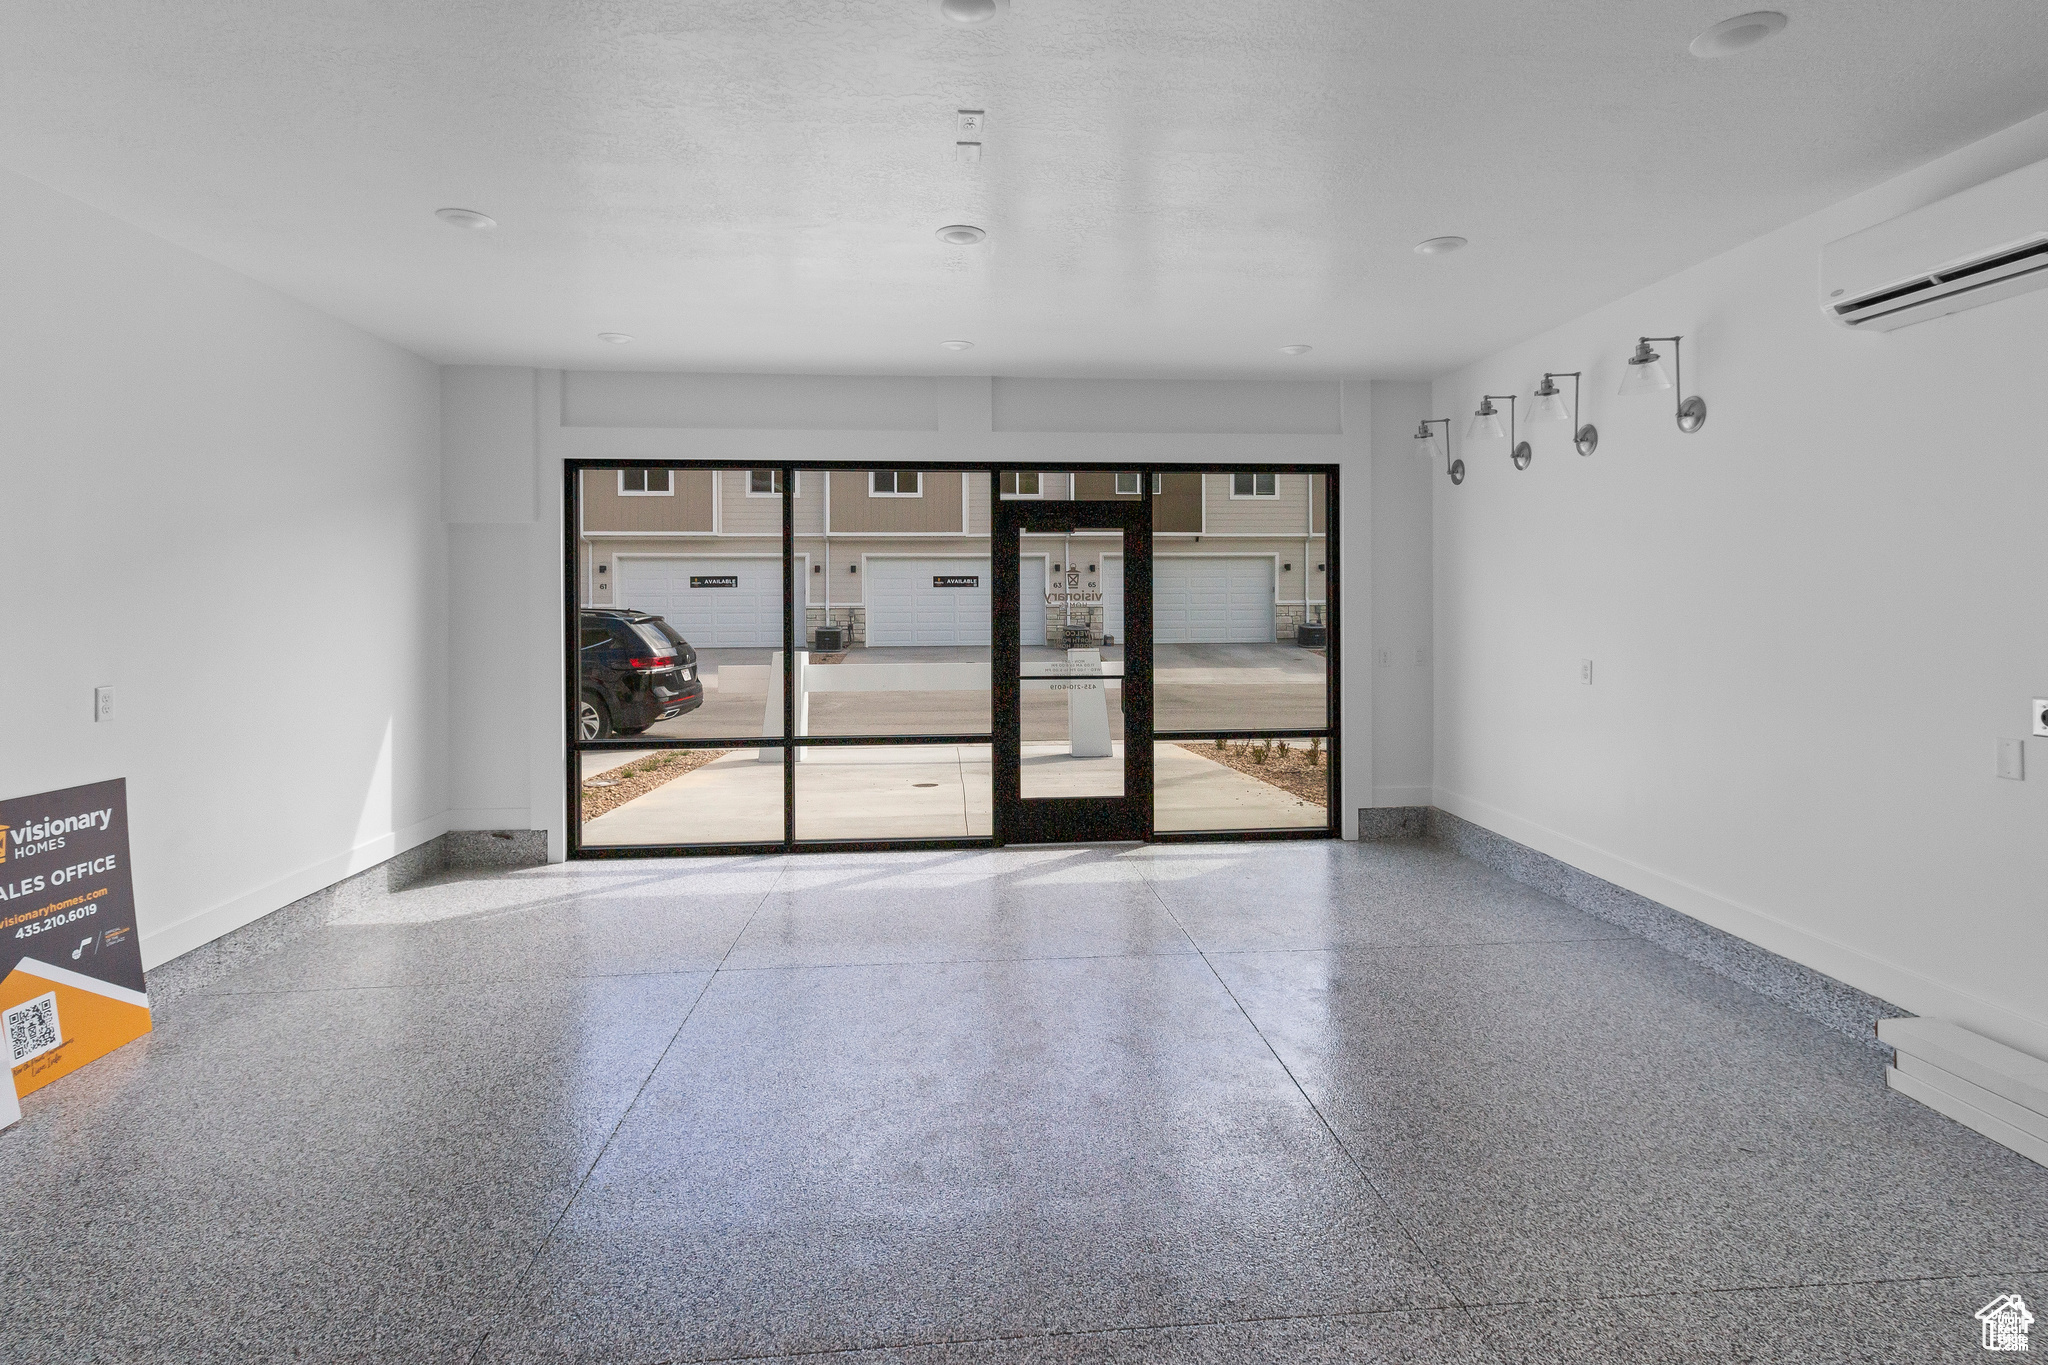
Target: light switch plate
column 969, row 152
column 2012, row 759
column 102, row 704
column 2041, row 715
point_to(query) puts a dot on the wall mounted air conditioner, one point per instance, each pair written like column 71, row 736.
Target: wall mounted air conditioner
column 1985, row 244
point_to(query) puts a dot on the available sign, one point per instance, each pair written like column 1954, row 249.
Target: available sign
column 70, row 967
column 714, row 580
column 964, row 580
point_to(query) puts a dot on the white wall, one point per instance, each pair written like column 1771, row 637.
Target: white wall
column 1809, row 622
column 227, row 505
column 507, row 568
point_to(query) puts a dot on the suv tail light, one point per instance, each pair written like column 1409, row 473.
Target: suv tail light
column 652, row 665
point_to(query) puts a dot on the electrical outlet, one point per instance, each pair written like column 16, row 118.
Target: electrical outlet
column 2012, row 759
column 1586, row 671
column 1386, row 657
column 2041, row 715
column 970, row 122
column 102, row 704
column 1422, row 656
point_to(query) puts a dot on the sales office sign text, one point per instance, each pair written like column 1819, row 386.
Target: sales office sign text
column 71, row 986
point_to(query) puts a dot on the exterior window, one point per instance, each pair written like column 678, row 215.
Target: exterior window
column 1252, row 486
column 896, row 483
column 1158, row 484
column 1020, row 483
column 646, row 483
column 1127, row 485
column 767, row 483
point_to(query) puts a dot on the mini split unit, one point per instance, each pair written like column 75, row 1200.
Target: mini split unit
column 1977, row 247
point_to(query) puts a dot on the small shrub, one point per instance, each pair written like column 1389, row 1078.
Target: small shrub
column 1263, row 751
column 1314, row 753
column 1222, row 746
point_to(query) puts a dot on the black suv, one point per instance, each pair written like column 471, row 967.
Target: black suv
column 636, row 671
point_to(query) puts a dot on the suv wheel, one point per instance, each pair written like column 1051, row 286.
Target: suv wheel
column 591, row 720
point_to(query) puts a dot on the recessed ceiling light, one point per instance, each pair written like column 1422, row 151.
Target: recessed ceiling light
column 968, row 13
column 961, row 234
column 1437, row 246
column 1733, row 35
column 615, row 338
column 466, row 218
column 957, row 345
column 1296, row 349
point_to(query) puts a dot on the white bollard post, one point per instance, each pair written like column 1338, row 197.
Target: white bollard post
column 1087, row 707
column 771, row 716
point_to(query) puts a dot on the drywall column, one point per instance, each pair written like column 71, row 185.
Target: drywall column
column 488, row 501
column 1354, row 583
column 1403, row 483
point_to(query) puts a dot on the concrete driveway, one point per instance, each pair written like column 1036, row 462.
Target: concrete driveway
column 1195, row 687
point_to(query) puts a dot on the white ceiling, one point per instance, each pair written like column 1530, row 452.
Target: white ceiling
column 1168, row 187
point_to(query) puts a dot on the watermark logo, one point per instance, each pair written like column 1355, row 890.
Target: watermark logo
column 2005, row 1321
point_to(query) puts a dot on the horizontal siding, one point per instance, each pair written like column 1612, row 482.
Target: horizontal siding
column 855, row 510
column 687, row 510
column 1285, row 514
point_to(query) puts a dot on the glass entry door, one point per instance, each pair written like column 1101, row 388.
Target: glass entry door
column 1072, row 659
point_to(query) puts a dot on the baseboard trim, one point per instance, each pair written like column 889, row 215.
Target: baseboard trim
column 207, row 961
column 1910, row 991
column 175, row 940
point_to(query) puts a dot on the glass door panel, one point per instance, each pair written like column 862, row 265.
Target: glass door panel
column 1071, row 740
column 1070, row 683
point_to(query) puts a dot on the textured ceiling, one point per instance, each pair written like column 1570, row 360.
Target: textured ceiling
column 1168, row 187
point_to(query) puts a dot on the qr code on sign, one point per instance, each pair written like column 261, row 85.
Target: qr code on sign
column 32, row 1029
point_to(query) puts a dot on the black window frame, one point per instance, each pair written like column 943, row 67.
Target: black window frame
column 1331, row 732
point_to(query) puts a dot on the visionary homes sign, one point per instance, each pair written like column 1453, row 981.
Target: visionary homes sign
column 70, row 966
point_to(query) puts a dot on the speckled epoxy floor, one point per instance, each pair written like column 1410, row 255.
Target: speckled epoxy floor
column 1300, row 1102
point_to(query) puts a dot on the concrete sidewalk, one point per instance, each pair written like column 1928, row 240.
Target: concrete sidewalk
column 926, row 792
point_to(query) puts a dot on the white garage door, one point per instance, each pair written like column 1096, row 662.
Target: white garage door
column 928, row 601
column 1031, row 606
column 1112, row 581
column 730, row 603
column 1212, row 601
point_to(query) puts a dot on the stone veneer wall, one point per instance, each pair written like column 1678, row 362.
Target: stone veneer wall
column 455, row 850
column 1816, row 995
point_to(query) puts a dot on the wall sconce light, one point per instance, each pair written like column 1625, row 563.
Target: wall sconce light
column 1486, row 423
column 1550, row 408
column 1454, row 468
column 1646, row 375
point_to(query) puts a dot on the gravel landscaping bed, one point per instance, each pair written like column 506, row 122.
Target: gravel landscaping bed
column 1283, row 765
column 609, row 790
